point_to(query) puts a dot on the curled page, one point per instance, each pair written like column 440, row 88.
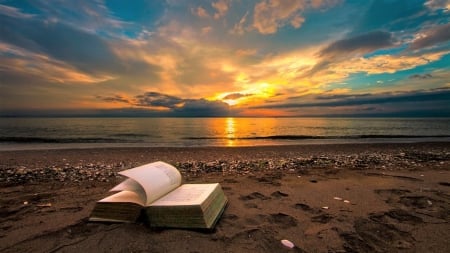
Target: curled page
column 127, row 185
column 157, row 179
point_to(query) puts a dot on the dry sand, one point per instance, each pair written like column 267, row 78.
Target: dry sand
column 323, row 198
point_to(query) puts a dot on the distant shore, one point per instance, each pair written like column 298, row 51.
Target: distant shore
column 397, row 198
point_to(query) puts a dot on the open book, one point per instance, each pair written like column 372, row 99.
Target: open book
column 155, row 190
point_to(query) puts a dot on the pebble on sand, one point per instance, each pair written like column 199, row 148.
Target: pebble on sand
column 287, row 243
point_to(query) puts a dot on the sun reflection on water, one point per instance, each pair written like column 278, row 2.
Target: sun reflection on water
column 230, row 130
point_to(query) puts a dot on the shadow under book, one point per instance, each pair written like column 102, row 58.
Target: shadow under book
column 155, row 191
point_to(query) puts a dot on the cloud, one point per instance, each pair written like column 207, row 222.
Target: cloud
column 200, row 12
column 440, row 94
column 342, row 96
column 180, row 53
column 359, row 44
column 206, row 30
column 221, row 7
column 84, row 51
column 172, row 105
column 239, row 27
column 386, row 63
column 323, row 3
column 155, row 99
column 432, row 37
column 297, row 21
column 21, row 62
column 202, row 108
column 114, row 99
column 438, row 4
column 13, row 12
column 89, row 16
column 418, row 76
column 349, row 49
column 234, row 96
column 269, row 15
column 393, row 15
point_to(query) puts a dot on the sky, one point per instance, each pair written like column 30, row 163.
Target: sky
column 245, row 58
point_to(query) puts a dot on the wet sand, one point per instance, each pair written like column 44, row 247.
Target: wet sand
column 323, row 198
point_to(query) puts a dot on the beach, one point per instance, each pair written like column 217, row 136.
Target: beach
column 383, row 197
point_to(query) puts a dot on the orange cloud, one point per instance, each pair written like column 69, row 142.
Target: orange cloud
column 386, row 63
column 42, row 66
column 221, row 7
column 200, row 12
column 269, row 15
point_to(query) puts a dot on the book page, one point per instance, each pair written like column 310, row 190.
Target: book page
column 157, row 179
column 125, row 197
column 128, row 185
column 187, row 194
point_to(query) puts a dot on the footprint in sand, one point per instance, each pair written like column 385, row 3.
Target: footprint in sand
column 444, row 183
column 283, row 219
column 251, row 205
column 388, row 192
column 399, row 215
column 307, row 208
column 278, row 194
column 279, row 219
column 258, row 240
column 256, row 220
column 374, row 236
column 323, row 218
column 254, row 195
column 419, row 205
column 391, row 195
column 420, row 202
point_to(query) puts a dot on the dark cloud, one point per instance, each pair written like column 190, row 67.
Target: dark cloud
column 236, row 95
column 114, row 99
column 432, row 37
column 202, row 108
column 178, row 107
column 158, row 99
column 418, row 76
column 442, row 94
column 342, row 96
column 83, row 50
column 363, row 43
column 350, row 47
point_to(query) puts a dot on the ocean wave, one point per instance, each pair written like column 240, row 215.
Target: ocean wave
column 317, row 137
column 59, row 140
column 131, row 135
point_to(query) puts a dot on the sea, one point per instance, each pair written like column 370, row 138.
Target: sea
column 60, row 133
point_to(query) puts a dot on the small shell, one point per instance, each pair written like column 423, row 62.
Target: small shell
column 287, row 243
column 347, row 201
column 325, row 207
column 337, row 198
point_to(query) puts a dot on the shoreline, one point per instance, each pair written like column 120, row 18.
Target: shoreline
column 227, row 143
column 398, row 198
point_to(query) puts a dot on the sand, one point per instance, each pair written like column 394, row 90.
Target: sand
column 322, row 198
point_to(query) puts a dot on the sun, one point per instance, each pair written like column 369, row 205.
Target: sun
column 231, row 102
column 249, row 95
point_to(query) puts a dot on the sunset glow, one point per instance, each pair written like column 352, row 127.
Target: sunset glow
column 225, row 58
